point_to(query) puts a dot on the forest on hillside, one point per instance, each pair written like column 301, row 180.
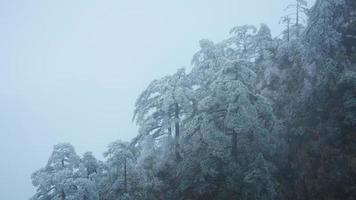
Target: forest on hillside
column 256, row 118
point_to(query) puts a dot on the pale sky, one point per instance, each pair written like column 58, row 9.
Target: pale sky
column 70, row 70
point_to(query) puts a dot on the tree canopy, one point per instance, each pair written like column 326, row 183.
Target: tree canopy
column 256, row 118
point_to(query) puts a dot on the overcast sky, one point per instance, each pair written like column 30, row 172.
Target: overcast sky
column 70, row 71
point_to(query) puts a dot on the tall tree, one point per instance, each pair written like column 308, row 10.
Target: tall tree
column 119, row 158
column 62, row 178
column 162, row 106
column 300, row 11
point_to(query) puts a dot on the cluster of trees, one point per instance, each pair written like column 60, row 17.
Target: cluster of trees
column 257, row 118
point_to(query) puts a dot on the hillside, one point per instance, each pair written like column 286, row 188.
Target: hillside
column 257, row 118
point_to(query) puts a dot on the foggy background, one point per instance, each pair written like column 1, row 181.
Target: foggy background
column 70, row 71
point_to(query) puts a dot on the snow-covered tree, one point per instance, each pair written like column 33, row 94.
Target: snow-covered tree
column 90, row 163
column 63, row 178
column 120, row 159
column 163, row 105
column 231, row 119
column 242, row 42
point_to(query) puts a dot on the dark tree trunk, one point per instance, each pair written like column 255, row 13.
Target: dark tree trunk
column 125, row 176
column 63, row 195
column 176, row 116
column 176, row 129
column 297, row 23
column 170, row 130
column 288, row 36
column 234, row 144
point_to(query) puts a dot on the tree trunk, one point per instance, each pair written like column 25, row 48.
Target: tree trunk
column 125, row 176
column 288, row 36
column 170, row 130
column 176, row 129
column 234, row 144
column 297, row 20
column 176, row 116
column 63, row 195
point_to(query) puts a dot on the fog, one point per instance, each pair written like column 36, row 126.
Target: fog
column 70, row 71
